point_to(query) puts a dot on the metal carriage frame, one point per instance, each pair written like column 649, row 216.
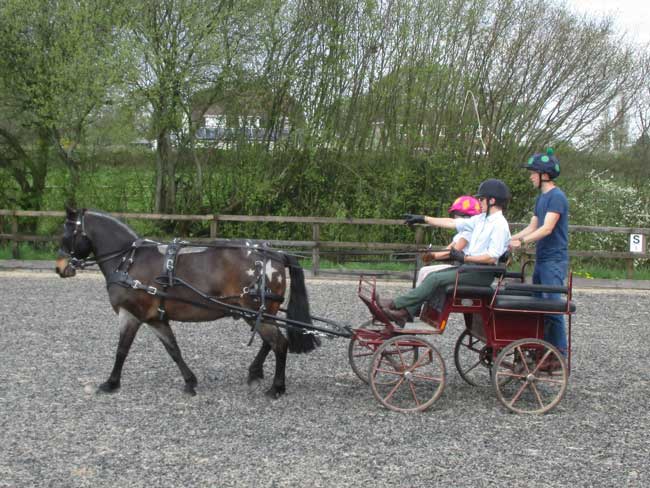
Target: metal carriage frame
column 502, row 345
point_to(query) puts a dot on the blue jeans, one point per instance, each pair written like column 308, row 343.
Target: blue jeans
column 552, row 273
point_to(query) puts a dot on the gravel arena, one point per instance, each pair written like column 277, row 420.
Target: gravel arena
column 58, row 340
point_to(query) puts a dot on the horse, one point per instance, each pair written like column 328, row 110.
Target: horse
column 151, row 283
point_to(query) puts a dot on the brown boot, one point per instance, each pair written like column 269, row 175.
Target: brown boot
column 399, row 316
column 386, row 303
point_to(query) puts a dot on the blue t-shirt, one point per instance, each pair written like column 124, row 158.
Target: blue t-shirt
column 554, row 246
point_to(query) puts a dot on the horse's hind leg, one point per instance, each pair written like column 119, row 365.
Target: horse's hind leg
column 129, row 326
column 166, row 336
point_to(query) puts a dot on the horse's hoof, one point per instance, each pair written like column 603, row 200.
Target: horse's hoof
column 275, row 392
column 189, row 389
column 255, row 377
column 108, row 387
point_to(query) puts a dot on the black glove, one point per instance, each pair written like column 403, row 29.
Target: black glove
column 456, row 255
column 411, row 219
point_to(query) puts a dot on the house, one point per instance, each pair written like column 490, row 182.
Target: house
column 250, row 111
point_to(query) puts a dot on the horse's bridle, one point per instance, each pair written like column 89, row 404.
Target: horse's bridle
column 80, row 228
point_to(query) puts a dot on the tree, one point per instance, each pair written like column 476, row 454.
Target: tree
column 178, row 49
column 57, row 65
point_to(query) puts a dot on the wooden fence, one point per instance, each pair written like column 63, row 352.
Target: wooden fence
column 315, row 247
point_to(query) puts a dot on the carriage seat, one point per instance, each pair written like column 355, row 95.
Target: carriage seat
column 473, row 291
column 498, row 271
column 511, row 298
column 514, row 302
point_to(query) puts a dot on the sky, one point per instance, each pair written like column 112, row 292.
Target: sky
column 632, row 16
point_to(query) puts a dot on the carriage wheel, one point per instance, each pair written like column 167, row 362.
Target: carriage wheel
column 473, row 359
column 530, row 376
column 407, row 374
column 362, row 347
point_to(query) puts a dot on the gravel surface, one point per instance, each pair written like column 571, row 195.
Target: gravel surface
column 57, row 343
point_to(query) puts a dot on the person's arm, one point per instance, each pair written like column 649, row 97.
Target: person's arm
column 550, row 221
column 461, row 243
column 523, row 235
column 444, row 222
column 481, row 259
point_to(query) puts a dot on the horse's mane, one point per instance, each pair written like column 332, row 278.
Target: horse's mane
column 114, row 220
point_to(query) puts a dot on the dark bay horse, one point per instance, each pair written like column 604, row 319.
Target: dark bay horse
column 236, row 273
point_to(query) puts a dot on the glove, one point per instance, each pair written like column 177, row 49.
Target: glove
column 456, row 255
column 411, row 219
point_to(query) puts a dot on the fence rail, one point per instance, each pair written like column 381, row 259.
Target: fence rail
column 316, row 246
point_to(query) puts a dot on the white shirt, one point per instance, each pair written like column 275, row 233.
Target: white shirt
column 488, row 234
column 461, row 235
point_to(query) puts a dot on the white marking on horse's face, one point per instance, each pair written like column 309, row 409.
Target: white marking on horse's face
column 250, row 272
column 272, row 272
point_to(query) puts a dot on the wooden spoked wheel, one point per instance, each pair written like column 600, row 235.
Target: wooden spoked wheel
column 530, row 376
column 473, row 359
column 407, row 374
column 362, row 346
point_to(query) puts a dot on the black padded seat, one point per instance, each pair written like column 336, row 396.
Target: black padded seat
column 482, row 291
column 470, row 291
column 514, row 302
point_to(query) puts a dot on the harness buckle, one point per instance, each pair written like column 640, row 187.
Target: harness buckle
column 152, row 290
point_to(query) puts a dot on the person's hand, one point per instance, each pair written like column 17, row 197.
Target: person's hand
column 427, row 257
column 411, row 219
column 456, row 255
column 515, row 243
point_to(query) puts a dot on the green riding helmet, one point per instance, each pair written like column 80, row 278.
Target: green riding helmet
column 544, row 163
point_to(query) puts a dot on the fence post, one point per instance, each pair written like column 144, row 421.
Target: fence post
column 419, row 235
column 629, row 268
column 15, row 251
column 315, row 254
column 214, row 227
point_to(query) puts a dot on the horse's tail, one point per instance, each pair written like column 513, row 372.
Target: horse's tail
column 298, row 309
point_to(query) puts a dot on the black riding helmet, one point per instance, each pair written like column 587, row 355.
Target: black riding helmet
column 493, row 188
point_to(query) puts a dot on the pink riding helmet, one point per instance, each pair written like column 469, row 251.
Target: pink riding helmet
column 466, row 205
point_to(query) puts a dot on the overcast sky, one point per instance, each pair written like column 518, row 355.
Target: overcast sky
column 631, row 15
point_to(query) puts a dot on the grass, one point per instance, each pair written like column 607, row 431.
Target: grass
column 26, row 251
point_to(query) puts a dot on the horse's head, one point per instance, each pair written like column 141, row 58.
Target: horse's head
column 75, row 244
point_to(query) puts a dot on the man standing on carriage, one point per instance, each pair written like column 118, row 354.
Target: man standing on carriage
column 488, row 234
column 549, row 229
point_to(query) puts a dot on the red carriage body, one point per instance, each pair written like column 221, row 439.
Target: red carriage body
column 502, row 345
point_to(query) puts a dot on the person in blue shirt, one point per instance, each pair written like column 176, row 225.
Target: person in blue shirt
column 488, row 237
column 549, row 229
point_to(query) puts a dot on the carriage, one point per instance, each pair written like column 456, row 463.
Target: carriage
column 502, row 344
column 150, row 282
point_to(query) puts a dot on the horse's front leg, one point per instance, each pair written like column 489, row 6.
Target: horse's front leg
column 279, row 344
column 166, row 336
column 256, row 369
column 129, row 326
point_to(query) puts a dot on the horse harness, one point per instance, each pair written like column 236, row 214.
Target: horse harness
column 257, row 289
